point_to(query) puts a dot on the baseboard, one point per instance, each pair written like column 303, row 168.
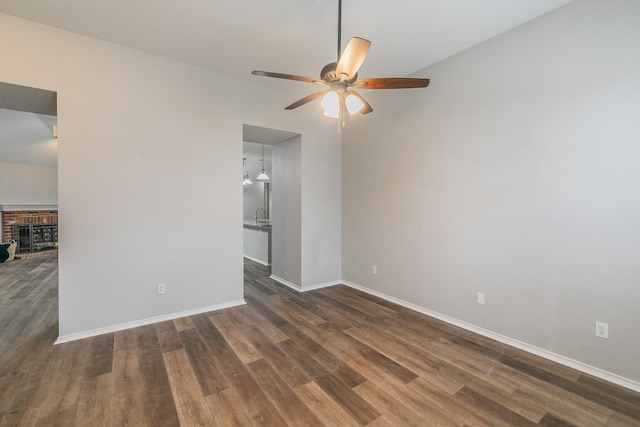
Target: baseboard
column 143, row 322
column 321, row 285
column 256, row 260
column 287, row 283
column 306, row 288
column 580, row 366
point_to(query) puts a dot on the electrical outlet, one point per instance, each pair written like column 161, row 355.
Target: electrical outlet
column 160, row 288
column 602, row 330
column 480, row 298
column 374, row 269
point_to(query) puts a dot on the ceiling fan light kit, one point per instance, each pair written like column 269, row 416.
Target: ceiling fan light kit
column 341, row 75
column 354, row 104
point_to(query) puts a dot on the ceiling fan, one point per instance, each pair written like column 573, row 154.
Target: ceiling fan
column 341, row 75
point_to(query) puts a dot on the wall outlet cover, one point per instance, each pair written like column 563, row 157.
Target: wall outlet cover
column 602, row 330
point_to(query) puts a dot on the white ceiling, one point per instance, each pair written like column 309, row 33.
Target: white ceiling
column 290, row 36
column 293, row 36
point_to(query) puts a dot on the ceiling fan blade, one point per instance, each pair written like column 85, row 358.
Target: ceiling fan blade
column 391, row 83
column 352, row 58
column 287, row 77
column 306, row 99
column 366, row 109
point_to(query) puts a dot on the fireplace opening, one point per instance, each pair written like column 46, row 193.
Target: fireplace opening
column 33, row 238
column 35, row 232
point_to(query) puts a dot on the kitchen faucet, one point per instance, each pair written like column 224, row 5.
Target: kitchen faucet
column 264, row 214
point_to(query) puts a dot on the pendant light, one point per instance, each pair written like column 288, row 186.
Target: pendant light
column 263, row 176
column 245, row 177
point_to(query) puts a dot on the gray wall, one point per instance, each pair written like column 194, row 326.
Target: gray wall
column 150, row 149
column 22, row 184
column 286, row 217
column 514, row 174
column 317, row 238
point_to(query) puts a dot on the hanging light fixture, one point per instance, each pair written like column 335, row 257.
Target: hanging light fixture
column 245, row 177
column 342, row 75
column 263, row 176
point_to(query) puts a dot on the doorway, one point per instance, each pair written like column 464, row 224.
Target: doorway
column 29, row 213
column 271, row 207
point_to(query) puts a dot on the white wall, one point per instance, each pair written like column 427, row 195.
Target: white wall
column 321, row 248
column 514, row 174
column 22, row 184
column 150, row 151
column 286, row 240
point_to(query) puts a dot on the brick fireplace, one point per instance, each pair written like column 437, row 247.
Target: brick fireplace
column 36, row 231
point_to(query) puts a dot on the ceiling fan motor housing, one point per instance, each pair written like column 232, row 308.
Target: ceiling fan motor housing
column 328, row 74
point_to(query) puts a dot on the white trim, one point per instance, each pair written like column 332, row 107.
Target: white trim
column 306, row 288
column 320, row 285
column 286, row 283
column 259, row 261
column 143, row 322
column 14, row 208
column 563, row 360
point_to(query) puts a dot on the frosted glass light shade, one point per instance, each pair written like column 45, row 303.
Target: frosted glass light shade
column 331, row 105
column 354, row 104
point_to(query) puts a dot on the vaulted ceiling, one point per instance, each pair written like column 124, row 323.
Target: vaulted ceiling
column 298, row 36
column 291, row 36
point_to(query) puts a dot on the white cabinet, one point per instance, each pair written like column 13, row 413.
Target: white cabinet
column 257, row 243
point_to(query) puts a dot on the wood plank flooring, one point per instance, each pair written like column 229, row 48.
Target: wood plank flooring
column 333, row 357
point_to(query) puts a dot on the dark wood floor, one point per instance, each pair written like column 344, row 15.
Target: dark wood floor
column 334, row 357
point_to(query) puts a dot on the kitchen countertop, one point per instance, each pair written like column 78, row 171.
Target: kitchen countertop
column 257, row 225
